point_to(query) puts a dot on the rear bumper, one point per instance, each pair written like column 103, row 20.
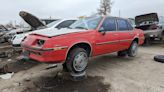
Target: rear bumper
column 45, row 55
column 153, row 33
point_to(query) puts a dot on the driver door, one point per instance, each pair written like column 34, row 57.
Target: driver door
column 107, row 39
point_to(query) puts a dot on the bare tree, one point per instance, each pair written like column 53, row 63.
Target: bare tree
column 105, row 7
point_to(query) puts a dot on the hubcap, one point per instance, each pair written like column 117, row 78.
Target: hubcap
column 80, row 61
column 135, row 49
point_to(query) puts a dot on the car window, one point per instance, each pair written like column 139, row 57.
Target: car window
column 65, row 24
column 130, row 27
column 122, row 25
column 86, row 23
column 109, row 24
column 53, row 23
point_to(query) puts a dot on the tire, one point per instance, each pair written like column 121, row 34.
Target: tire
column 133, row 50
column 122, row 53
column 72, row 63
column 159, row 58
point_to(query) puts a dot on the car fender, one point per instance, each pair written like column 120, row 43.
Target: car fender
column 78, row 42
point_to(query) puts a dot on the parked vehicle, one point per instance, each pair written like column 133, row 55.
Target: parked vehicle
column 86, row 38
column 3, row 30
column 33, row 22
column 151, row 25
column 17, row 39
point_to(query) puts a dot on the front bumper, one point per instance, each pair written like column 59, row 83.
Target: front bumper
column 47, row 55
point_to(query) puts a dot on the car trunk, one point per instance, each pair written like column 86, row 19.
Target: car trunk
column 147, row 21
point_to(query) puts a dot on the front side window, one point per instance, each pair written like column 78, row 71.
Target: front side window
column 109, row 24
column 122, row 25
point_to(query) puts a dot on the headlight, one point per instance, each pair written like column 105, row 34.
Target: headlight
column 40, row 42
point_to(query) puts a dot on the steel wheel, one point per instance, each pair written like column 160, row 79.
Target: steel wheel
column 80, row 61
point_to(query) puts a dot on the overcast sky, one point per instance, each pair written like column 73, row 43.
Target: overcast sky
column 73, row 8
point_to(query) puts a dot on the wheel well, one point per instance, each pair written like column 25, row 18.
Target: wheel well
column 85, row 46
column 136, row 39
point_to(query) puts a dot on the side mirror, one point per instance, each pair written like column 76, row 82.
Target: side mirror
column 103, row 32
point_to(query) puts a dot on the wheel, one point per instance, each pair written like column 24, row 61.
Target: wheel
column 159, row 58
column 77, row 60
column 133, row 50
column 122, row 53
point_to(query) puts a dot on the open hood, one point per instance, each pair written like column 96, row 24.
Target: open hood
column 151, row 17
column 32, row 20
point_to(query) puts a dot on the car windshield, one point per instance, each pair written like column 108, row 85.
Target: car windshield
column 53, row 23
column 86, row 23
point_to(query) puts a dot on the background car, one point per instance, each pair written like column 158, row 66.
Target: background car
column 3, row 31
column 152, row 25
column 32, row 23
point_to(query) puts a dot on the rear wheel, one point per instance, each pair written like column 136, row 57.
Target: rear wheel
column 77, row 60
column 133, row 50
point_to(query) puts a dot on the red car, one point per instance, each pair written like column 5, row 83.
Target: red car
column 86, row 38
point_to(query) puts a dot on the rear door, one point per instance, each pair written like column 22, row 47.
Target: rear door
column 107, row 38
column 126, row 33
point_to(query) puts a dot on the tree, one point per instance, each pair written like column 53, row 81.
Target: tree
column 105, row 7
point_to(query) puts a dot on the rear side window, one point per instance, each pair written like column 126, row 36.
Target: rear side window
column 65, row 24
column 109, row 24
column 130, row 27
column 122, row 25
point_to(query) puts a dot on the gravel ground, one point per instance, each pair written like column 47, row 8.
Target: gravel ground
column 107, row 73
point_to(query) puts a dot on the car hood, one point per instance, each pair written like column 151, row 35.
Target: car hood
column 32, row 20
column 153, row 17
column 50, row 32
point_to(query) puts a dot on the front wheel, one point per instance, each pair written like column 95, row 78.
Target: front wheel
column 77, row 60
column 133, row 50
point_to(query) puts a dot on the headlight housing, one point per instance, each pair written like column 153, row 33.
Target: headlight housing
column 40, row 42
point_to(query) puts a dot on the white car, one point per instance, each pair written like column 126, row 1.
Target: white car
column 65, row 23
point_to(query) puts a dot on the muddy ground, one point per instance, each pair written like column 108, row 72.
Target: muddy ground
column 107, row 73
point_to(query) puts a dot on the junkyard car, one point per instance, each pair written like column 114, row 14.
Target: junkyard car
column 3, row 30
column 32, row 23
column 86, row 38
column 64, row 23
column 152, row 26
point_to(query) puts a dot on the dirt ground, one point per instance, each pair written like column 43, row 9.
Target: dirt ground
column 107, row 73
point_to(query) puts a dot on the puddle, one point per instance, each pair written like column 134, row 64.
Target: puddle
column 21, row 65
column 56, row 84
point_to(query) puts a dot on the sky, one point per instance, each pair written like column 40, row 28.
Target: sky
column 74, row 8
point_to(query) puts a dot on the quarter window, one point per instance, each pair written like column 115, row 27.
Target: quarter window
column 122, row 25
column 129, row 26
column 109, row 24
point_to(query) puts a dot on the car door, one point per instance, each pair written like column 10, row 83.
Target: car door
column 125, row 32
column 107, row 37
